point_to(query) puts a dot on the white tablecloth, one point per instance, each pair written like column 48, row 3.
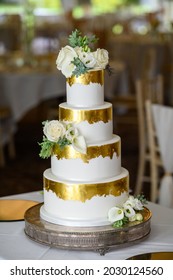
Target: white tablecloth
column 24, row 91
column 15, row 245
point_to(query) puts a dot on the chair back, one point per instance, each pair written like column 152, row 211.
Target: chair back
column 152, row 90
column 159, row 125
column 147, row 89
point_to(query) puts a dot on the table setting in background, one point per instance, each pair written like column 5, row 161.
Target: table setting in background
column 26, row 83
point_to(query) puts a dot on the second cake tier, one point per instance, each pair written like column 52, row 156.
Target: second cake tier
column 95, row 124
column 101, row 161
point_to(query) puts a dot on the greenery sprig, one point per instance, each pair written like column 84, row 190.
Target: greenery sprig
column 47, row 146
column 80, row 67
column 142, row 198
column 120, row 223
column 76, row 40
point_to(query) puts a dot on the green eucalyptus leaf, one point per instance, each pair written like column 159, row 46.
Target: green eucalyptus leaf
column 46, row 148
column 142, row 198
column 76, row 40
column 121, row 222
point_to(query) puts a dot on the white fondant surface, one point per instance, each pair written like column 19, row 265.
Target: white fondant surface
column 92, row 212
column 80, row 95
column 98, row 131
column 96, row 169
column 99, row 170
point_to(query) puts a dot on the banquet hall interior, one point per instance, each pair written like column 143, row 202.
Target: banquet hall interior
column 138, row 35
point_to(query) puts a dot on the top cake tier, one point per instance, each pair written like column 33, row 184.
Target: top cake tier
column 87, row 90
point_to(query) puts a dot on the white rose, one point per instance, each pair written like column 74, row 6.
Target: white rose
column 53, row 130
column 102, row 58
column 64, row 59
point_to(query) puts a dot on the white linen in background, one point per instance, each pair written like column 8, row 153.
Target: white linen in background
column 163, row 121
column 24, row 91
column 16, row 245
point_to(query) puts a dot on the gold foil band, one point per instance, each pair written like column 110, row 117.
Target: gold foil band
column 83, row 192
column 68, row 152
column 87, row 78
column 91, row 116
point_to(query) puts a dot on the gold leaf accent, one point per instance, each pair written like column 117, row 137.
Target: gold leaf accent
column 83, row 192
column 91, row 116
column 87, row 78
column 68, row 152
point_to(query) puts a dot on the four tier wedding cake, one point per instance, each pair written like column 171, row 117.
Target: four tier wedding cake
column 86, row 184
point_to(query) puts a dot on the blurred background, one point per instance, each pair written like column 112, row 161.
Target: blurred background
column 138, row 35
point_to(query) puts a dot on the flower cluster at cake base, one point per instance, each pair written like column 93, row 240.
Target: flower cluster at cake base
column 77, row 58
column 61, row 134
column 129, row 212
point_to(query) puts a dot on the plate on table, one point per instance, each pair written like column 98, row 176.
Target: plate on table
column 13, row 209
column 153, row 256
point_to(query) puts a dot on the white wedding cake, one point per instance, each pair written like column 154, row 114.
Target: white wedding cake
column 86, row 178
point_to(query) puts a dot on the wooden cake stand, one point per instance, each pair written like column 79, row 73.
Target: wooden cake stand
column 100, row 239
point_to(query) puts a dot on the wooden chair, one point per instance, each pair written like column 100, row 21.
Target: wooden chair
column 5, row 115
column 148, row 90
column 154, row 153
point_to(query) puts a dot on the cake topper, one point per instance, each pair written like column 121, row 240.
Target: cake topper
column 77, row 58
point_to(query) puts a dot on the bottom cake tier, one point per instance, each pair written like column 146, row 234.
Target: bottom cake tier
column 79, row 204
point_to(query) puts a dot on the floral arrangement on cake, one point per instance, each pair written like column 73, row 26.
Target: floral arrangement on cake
column 61, row 134
column 77, row 58
column 130, row 211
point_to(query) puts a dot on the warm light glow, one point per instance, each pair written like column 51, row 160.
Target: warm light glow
column 117, row 29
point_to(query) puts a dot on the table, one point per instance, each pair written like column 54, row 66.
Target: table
column 25, row 90
column 15, row 245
